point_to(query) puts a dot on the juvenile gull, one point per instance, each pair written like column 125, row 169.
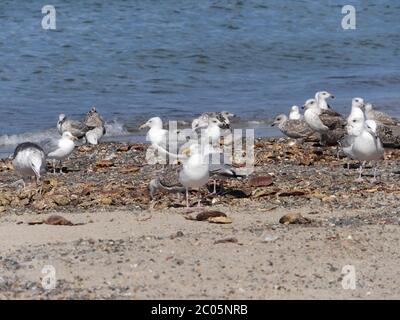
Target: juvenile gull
column 328, row 123
column 295, row 129
column 379, row 117
column 76, row 128
column 389, row 135
column 59, row 149
column 223, row 116
column 295, row 114
column 29, row 160
column 93, row 119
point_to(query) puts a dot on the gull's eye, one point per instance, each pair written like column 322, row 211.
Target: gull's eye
column 354, row 120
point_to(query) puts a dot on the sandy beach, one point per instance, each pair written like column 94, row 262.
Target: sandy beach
column 123, row 245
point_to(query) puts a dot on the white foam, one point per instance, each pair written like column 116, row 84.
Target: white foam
column 14, row 139
column 113, row 129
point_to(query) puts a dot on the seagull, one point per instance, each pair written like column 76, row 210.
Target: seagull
column 366, row 145
column 76, row 128
column 326, row 122
column 295, row 114
column 210, row 131
column 388, row 134
column 379, row 117
column 93, row 119
column 321, row 97
column 195, row 171
column 159, row 137
column 59, row 149
column 29, row 160
column 223, row 116
column 156, row 134
column 295, row 129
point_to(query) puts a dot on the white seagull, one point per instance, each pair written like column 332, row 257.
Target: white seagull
column 29, row 160
column 294, row 113
column 59, row 149
column 366, row 145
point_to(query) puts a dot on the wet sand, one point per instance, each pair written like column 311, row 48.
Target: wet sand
column 130, row 247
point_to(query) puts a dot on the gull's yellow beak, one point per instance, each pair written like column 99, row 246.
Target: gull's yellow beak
column 144, row 125
column 186, row 151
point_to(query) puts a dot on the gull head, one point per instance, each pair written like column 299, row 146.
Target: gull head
column 68, row 135
column 355, row 124
column 323, row 95
column 368, row 107
column 371, row 125
column 227, row 114
column 155, row 122
column 61, row 117
column 214, row 122
column 294, row 109
column 357, row 102
column 310, row 103
column 279, row 119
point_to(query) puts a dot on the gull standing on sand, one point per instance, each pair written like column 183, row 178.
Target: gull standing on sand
column 346, row 143
column 295, row 114
column 29, row 160
column 76, row 128
column 94, row 120
column 59, row 149
column 156, row 135
column 379, row 117
column 366, row 145
column 295, row 129
column 193, row 173
column 328, row 123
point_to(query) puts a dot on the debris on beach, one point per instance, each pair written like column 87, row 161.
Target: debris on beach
column 294, row 218
column 55, row 220
column 116, row 175
column 227, row 240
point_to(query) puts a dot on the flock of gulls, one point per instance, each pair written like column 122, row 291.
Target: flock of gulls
column 361, row 136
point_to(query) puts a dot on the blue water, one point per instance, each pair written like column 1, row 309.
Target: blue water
column 175, row 59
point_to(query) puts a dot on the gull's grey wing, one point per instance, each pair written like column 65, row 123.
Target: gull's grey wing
column 297, row 129
column 49, row 145
column 346, row 141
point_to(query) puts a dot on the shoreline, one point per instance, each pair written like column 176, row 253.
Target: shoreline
column 130, row 247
